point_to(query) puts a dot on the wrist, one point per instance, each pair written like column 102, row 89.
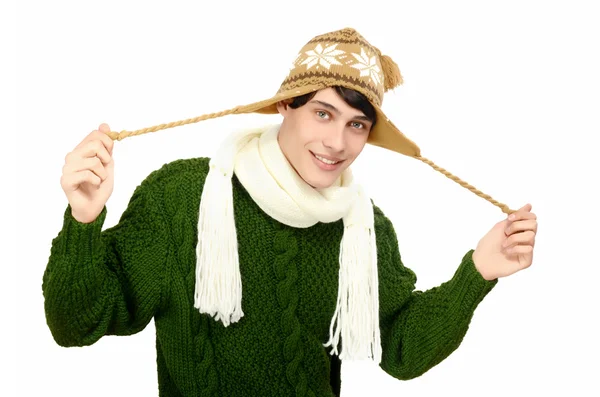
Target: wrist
column 477, row 264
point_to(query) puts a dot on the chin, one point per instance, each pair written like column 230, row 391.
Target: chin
column 321, row 181
column 320, row 185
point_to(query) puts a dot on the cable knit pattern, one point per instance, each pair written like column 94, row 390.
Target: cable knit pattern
column 286, row 249
column 115, row 281
column 203, row 380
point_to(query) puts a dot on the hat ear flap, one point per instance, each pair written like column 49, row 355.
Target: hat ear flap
column 391, row 73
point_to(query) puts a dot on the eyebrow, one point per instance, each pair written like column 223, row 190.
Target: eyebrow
column 336, row 110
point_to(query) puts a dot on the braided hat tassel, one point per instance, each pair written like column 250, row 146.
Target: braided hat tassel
column 339, row 58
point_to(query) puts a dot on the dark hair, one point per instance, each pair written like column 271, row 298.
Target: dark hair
column 353, row 98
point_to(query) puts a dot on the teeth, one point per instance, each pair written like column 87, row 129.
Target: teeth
column 326, row 161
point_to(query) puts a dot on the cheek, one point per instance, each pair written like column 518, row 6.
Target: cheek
column 356, row 146
column 308, row 139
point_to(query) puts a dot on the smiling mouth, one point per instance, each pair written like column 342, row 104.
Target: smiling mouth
column 326, row 161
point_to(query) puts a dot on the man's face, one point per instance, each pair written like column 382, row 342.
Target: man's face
column 326, row 126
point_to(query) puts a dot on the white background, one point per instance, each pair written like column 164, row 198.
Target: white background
column 505, row 95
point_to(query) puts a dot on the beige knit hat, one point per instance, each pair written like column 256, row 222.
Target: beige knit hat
column 339, row 58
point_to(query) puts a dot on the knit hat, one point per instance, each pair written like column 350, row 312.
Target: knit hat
column 343, row 58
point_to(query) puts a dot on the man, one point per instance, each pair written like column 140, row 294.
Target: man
column 255, row 261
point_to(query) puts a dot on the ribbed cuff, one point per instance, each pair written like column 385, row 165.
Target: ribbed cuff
column 68, row 217
column 468, row 285
column 79, row 237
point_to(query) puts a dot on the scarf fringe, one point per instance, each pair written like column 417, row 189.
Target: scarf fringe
column 357, row 309
column 218, row 279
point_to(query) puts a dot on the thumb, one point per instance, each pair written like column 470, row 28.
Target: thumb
column 527, row 207
column 104, row 127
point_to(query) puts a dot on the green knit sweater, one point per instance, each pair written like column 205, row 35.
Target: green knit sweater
column 113, row 282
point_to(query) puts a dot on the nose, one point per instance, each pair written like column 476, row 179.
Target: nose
column 335, row 139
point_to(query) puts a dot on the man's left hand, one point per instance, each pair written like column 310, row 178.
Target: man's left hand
column 508, row 246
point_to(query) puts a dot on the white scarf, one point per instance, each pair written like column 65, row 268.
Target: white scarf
column 261, row 167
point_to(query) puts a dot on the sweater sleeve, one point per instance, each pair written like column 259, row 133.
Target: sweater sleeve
column 419, row 329
column 107, row 282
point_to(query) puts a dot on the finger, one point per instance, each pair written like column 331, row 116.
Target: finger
column 525, row 238
column 108, row 142
column 95, row 148
column 75, row 180
column 523, row 217
column 92, row 164
column 517, row 216
column 518, row 213
column 526, row 208
column 520, row 226
column 99, row 135
column 519, row 249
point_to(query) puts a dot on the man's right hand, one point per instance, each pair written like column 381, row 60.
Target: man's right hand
column 88, row 175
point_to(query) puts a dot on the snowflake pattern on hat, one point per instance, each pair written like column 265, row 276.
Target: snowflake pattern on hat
column 368, row 66
column 321, row 58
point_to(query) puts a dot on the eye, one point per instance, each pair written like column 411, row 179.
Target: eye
column 321, row 114
column 358, row 125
